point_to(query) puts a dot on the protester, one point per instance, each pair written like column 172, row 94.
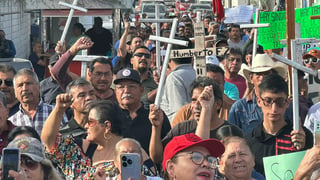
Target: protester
column 7, row 48
column 7, row 73
column 274, row 135
column 141, row 62
column 83, row 95
column 60, row 71
column 237, row 162
column 129, row 91
column 33, row 163
column 32, row 111
column 235, row 40
column 311, row 58
column 206, row 104
column 176, row 91
column 100, row 73
column 232, row 65
column 217, row 74
column 245, row 113
column 103, row 128
column 188, row 157
column 5, row 125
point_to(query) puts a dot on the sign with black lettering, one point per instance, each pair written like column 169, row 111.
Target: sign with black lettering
column 270, row 37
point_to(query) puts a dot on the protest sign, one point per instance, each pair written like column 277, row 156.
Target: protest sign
column 240, row 14
column 270, row 37
column 282, row 167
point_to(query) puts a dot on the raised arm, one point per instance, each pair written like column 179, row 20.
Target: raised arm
column 122, row 52
column 60, row 70
column 155, row 146
column 206, row 100
column 52, row 124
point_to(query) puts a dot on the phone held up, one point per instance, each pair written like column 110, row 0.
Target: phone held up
column 130, row 166
column 10, row 161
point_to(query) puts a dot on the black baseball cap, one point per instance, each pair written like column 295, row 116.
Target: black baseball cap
column 127, row 74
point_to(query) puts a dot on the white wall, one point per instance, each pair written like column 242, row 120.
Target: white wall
column 16, row 25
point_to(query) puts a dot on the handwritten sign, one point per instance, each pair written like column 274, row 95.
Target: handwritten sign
column 240, row 14
column 270, row 37
column 183, row 53
column 282, row 167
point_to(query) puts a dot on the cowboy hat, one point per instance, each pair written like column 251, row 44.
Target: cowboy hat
column 263, row 63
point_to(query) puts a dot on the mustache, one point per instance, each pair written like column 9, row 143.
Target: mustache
column 126, row 95
column 26, row 94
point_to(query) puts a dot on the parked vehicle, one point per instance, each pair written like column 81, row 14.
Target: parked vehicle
column 149, row 10
column 17, row 63
column 203, row 8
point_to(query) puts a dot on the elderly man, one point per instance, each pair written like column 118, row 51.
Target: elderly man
column 32, row 111
column 141, row 62
column 7, row 73
column 129, row 92
column 245, row 113
column 83, row 95
column 5, row 125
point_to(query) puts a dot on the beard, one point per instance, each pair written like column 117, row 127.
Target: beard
column 142, row 70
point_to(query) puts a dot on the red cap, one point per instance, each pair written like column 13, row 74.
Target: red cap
column 179, row 143
column 313, row 52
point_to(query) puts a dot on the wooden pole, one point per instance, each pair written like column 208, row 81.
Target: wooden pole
column 290, row 35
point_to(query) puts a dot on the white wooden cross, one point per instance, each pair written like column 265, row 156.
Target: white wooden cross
column 157, row 20
column 296, row 54
column 256, row 26
column 170, row 41
column 200, row 51
column 72, row 7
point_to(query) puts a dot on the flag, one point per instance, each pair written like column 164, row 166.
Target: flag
column 182, row 8
column 218, row 9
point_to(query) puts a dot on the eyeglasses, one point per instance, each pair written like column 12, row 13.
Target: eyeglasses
column 280, row 102
column 7, row 82
column 198, row 158
column 311, row 60
column 143, row 54
column 100, row 74
column 232, row 59
column 29, row 163
column 92, row 122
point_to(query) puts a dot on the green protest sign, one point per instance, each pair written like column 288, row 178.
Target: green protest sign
column 282, row 166
column 270, row 37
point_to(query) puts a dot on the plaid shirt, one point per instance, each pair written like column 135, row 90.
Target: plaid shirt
column 43, row 111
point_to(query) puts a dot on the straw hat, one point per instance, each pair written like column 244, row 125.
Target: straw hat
column 263, row 63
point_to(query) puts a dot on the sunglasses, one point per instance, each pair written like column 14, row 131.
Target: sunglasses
column 143, row 54
column 198, row 158
column 92, row 122
column 7, row 82
column 29, row 163
column 280, row 102
column 311, row 60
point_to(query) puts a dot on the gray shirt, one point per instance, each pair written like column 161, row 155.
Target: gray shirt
column 177, row 89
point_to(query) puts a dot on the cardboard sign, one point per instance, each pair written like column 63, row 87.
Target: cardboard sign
column 270, row 37
column 282, row 167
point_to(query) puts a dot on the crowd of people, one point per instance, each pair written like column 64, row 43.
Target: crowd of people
column 217, row 126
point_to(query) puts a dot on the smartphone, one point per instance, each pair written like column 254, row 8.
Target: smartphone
column 130, row 166
column 10, row 161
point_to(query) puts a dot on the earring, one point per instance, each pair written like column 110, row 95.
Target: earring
column 106, row 136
